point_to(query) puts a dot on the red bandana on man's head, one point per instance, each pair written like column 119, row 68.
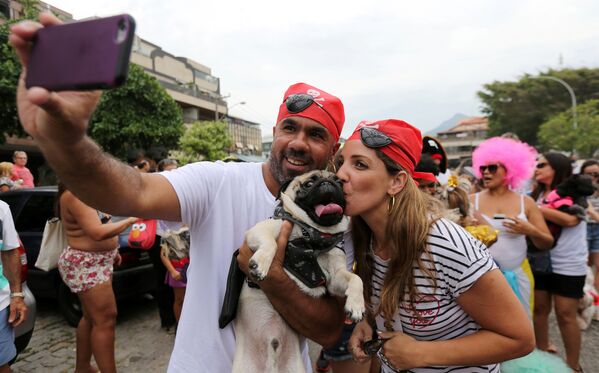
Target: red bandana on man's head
column 333, row 121
column 406, row 148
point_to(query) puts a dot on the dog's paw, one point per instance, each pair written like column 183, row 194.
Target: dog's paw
column 259, row 265
column 355, row 308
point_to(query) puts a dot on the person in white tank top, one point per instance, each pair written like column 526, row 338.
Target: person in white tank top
column 504, row 164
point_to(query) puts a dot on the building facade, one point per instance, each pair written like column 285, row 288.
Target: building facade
column 461, row 140
column 246, row 136
column 188, row 82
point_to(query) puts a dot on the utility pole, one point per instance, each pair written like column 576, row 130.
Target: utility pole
column 216, row 105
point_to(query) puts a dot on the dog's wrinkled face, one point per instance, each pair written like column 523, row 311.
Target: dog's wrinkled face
column 319, row 194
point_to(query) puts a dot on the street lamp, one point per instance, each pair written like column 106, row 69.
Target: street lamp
column 570, row 91
column 231, row 107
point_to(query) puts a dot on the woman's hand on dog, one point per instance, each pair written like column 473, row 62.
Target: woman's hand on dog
column 276, row 268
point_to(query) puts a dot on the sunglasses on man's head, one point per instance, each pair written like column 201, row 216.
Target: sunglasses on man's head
column 492, row 168
column 541, row 165
column 299, row 102
column 373, row 138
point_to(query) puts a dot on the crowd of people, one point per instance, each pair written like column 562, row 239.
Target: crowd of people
column 439, row 299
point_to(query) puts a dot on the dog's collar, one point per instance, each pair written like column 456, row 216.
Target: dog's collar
column 301, row 252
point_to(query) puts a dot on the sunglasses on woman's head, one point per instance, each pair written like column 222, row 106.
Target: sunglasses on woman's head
column 492, row 168
column 299, row 102
column 541, row 165
column 373, row 138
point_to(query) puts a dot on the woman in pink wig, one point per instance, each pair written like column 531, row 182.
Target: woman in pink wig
column 504, row 164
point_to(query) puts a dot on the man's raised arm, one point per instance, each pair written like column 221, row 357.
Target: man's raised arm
column 59, row 122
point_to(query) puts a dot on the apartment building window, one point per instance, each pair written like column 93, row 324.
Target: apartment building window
column 207, row 77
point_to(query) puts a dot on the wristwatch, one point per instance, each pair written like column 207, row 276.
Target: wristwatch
column 17, row 295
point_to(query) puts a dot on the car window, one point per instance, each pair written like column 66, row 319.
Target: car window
column 36, row 211
column 13, row 202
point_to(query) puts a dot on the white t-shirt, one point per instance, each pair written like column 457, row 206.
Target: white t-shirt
column 219, row 202
column 9, row 240
column 458, row 261
column 570, row 255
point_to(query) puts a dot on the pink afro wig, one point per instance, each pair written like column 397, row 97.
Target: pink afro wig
column 517, row 157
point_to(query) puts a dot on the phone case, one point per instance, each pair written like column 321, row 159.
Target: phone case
column 83, row 55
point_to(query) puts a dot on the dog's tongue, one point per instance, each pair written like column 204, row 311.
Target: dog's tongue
column 331, row 208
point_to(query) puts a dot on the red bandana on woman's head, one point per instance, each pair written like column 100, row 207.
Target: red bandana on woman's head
column 406, row 146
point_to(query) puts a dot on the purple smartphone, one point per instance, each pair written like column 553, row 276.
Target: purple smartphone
column 85, row 55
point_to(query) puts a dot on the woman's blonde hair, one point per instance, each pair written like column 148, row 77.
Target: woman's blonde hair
column 5, row 169
column 411, row 214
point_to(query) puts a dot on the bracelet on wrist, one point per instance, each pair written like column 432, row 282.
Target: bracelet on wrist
column 17, row 294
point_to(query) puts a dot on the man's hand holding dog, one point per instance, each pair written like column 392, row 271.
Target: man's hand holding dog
column 276, row 268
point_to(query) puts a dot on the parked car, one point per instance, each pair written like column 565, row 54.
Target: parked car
column 31, row 208
column 24, row 331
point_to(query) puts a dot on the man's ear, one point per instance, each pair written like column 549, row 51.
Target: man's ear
column 334, row 150
column 397, row 183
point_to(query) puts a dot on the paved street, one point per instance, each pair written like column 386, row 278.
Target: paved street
column 142, row 346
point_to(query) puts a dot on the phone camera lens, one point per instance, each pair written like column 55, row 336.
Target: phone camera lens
column 121, row 34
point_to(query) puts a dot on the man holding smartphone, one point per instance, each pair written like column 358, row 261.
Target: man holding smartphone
column 218, row 201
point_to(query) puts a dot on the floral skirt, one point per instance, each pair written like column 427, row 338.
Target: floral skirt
column 82, row 270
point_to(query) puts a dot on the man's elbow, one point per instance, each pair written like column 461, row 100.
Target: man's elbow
column 331, row 336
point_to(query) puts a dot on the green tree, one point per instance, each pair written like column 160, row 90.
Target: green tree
column 140, row 114
column 10, row 69
column 557, row 133
column 522, row 106
column 204, row 141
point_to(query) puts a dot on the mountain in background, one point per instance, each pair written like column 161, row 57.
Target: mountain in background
column 447, row 124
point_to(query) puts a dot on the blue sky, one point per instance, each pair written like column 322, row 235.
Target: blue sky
column 421, row 62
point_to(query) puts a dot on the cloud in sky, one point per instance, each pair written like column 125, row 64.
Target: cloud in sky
column 421, row 62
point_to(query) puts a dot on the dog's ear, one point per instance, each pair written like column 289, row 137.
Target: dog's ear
column 283, row 188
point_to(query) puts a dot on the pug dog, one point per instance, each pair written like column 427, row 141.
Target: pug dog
column 314, row 202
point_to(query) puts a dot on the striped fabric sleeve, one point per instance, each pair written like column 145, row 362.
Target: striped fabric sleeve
column 461, row 259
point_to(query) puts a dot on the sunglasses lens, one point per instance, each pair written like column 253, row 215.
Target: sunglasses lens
column 298, row 103
column 492, row 168
column 373, row 138
column 541, row 165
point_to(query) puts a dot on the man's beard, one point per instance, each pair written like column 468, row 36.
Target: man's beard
column 281, row 175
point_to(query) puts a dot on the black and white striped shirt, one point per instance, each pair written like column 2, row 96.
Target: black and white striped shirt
column 457, row 260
